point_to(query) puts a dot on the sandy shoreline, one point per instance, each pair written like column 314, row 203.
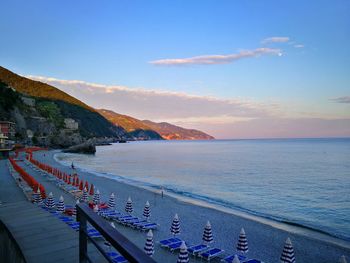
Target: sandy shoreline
column 265, row 239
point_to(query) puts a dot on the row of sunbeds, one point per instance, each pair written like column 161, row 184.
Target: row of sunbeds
column 203, row 251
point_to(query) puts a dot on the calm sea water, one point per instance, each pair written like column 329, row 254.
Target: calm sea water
column 300, row 181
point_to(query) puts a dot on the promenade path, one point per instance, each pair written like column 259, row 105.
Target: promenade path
column 40, row 236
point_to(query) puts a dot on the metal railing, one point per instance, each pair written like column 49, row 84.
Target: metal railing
column 124, row 246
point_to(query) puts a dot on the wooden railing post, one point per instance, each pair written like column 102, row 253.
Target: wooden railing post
column 82, row 236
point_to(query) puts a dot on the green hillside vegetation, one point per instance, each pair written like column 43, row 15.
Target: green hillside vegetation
column 37, row 88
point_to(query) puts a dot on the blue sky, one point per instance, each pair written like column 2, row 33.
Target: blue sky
column 113, row 43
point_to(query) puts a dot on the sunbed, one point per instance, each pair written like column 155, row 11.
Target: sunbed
column 197, row 249
column 230, row 258
column 174, row 246
column 167, row 242
column 116, row 258
column 144, row 226
column 211, row 253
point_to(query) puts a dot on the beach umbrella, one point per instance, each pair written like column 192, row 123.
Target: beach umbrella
column 77, row 182
column 175, row 225
column 38, row 200
column 91, row 189
column 84, row 197
column 183, row 255
column 34, row 196
column 50, row 202
column 236, row 259
column 128, row 206
column 74, row 211
column 81, row 185
column 96, row 200
column 342, row 259
column 60, row 205
column 207, row 234
column 111, row 201
column 242, row 245
column 113, row 225
column 149, row 246
column 147, row 211
column 96, row 208
column 86, row 185
column 287, row 255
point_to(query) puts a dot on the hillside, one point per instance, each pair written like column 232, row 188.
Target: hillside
column 37, row 89
column 136, row 128
column 48, row 109
column 165, row 130
column 173, row 132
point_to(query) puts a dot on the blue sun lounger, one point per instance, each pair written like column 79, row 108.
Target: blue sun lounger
column 174, row 246
column 143, row 226
column 211, row 253
column 230, row 258
column 167, row 242
column 116, row 258
column 197, row 249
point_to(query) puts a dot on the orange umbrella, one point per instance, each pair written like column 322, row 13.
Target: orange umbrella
column 81, row 186
column 91, row 190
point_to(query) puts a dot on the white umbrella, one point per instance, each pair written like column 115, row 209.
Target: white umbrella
column 149, row 246
column 183, row 255
column 342, row 259
column 175, row 225
column 84, row 197
column 147, row 211
column 242, row 245
column 287, row 255
column 60, row 205
column 50, row 202
column 111, row 202
column 96, row 200
column 236, row 259
column 128, row 206
column 207, row 234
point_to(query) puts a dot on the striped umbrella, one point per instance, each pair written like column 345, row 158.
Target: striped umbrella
column 147, row 211
column 175, row 225
column 84, row 197
column 183, row 255
column 96, row 200
column 242, row 245
column 149, row 246
column 111, row 201
column 38, row 197
column 74, row 211
column 207, row 234
column 236, row 259
column 342, row 259
column 128, row 206
column 60, row 205
column 34, row 196
column 287, row 255
column 50, row 202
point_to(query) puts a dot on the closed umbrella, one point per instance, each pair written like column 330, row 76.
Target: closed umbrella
column 175, row 225
column 128, row 206
column 50, row 202
column 287, row 255
column 96, row 200
column 147, row 211
column 207, row 234
column 242, row 245
column 60, row 208
column 149, row 246
column 84, row 197
column 111, row 202
column 183, row 255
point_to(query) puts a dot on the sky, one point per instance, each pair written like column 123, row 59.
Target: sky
column 234, row 69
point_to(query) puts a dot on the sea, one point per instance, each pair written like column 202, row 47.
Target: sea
column 302, row 182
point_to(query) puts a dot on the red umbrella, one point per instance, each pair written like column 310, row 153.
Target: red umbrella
column 68, row 181
column 77, row 182
column 86, row 185
column 81, row 186
column 91, row 190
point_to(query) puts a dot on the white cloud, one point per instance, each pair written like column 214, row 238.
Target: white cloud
column 344, row 99
column 270, row 40
column 216, row 59
column 298, row 46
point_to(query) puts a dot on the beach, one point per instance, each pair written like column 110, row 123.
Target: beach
column 265, row 239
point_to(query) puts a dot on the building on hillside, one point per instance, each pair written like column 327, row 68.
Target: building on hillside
column 8, row 129
column 28, row 101
column 71, row 124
